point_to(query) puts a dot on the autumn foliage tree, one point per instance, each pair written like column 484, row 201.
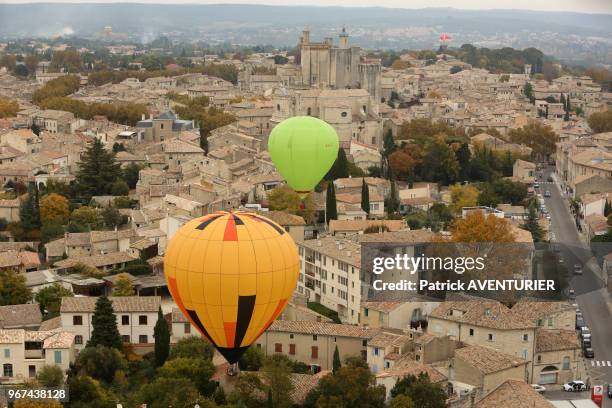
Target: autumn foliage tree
column 54, row 208
column 8, row 108
column 601, row 121
column 540, row 138
column 285, row 199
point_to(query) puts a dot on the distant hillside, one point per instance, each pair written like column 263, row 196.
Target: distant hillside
column 280, row 25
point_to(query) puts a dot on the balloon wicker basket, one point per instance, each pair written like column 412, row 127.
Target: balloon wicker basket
column 232, row 370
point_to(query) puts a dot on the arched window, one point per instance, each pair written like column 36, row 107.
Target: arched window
column 278, row 107
column 308, row 112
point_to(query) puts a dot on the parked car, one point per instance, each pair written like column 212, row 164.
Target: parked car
column 547, row 193
column 577, row 269
column 609, row 390
column 589, row 353
column 575, row 385
column 579, row 323
column 571, row 294
column 536, row 185
column 586, row 343
column 538, row 388
column 585, row 331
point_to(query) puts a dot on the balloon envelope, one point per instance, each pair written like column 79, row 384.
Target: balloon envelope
column 303, row 148
column 231, row 274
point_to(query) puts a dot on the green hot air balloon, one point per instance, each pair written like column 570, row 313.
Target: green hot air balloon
column 303, row 149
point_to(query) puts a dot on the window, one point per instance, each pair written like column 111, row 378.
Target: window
column 471, row 332
column 364, row 343
column 77, row 320
column 387, row 364
column 78, row 339
column 315, row 352
column 161, row 126
column 314, row 337
column 381, row 317
column 566, row 363
column 57, row 357
column 525, row 337
column 7, row 353
column 490, row 336
column 277, row 107
column 125, row 338
column 291, row 336
column 539, row 358
column 292, row 349
column 550, row 322
column 525, row 354
column 343, row 114
column 142, row 339
column 376, row 352
column 142, row 320
column 125, row 320
column 365, row 311
column 278, row 348
column 187, row 328
column 309, row 112
column 7, row 370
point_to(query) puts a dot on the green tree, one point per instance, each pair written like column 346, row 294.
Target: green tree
column 392, row 203
column 49, row 299
column 340, row 168
column 540, row 138
column 131, row 173
column 284, row 198
column 123, row 286
column 251, row 360
column 422, row 392
column 439, row 162
column 100, row 363
column 192, row 346
column 277, row 373
column 161, row 333
column 197, row 370
column 85, row 392
column 51, row 231
column 13, row 289
column 330, row 202
column 104, row 322
column 164, row 392
column 353, row 385
column 532, row 225
column 86, row 216
column 463, row 156
column 112, row 217
column 388, row 143
column 120, row 188
column 219, row 396
column 487, row 195
column 365, row 196
column 601, row 122
column 29, row 211
column 401, row 401
column 336, row 362
column 97, row 171
column 51, row 376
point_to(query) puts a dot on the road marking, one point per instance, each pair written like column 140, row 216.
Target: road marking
column 597, row 363
column 592, row 363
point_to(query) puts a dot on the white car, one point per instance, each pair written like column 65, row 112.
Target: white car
column 538, row 388
column 575, row 385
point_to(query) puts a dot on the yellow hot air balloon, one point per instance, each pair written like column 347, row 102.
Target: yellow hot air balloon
column 231, row 274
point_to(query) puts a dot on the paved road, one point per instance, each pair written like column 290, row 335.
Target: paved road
column 592, row 298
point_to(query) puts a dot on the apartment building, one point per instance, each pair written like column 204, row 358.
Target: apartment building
column 136, row 318
column 331, row 273
column 23, row 353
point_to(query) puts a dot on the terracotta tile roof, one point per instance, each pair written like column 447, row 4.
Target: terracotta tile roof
column 554, row 340
column 535, row 310
column 283, row 218
column 406, row 366
column 514, row 394
column 181, row 146
column 381, row 306
column 178, row 316
column 488, row 360
column 10, row 259
column 96, row 261
column 323, row 329
column 51, row 324
column 20, row 316
column 342, row 249
column 87, row 304
column 59, row 340
column 15, row 336
column 483, row 313
column 386, row 339
column 360, row 225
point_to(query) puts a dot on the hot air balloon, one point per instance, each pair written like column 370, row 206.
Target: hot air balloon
column 231, row 274
column 303, row 148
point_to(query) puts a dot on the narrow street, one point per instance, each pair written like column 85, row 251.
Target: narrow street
column 592, row 297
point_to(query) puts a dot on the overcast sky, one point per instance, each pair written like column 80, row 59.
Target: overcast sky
column 585, row 6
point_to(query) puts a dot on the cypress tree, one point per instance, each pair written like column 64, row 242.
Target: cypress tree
column 29, row 211
column 532, row 225
column 568, row 105
column 104, row 322
column 388, row 143
column 330, row 202
column 162, row 339
column 340, row 168
column 365, row 197
column 392, row 201
column 564, row 102
column 336, row 361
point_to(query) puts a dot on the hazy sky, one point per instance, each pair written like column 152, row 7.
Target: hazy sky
column 585, row 6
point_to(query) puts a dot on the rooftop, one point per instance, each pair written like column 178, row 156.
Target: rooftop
column 488, row 360
column 87, row 304
column 515, row 394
